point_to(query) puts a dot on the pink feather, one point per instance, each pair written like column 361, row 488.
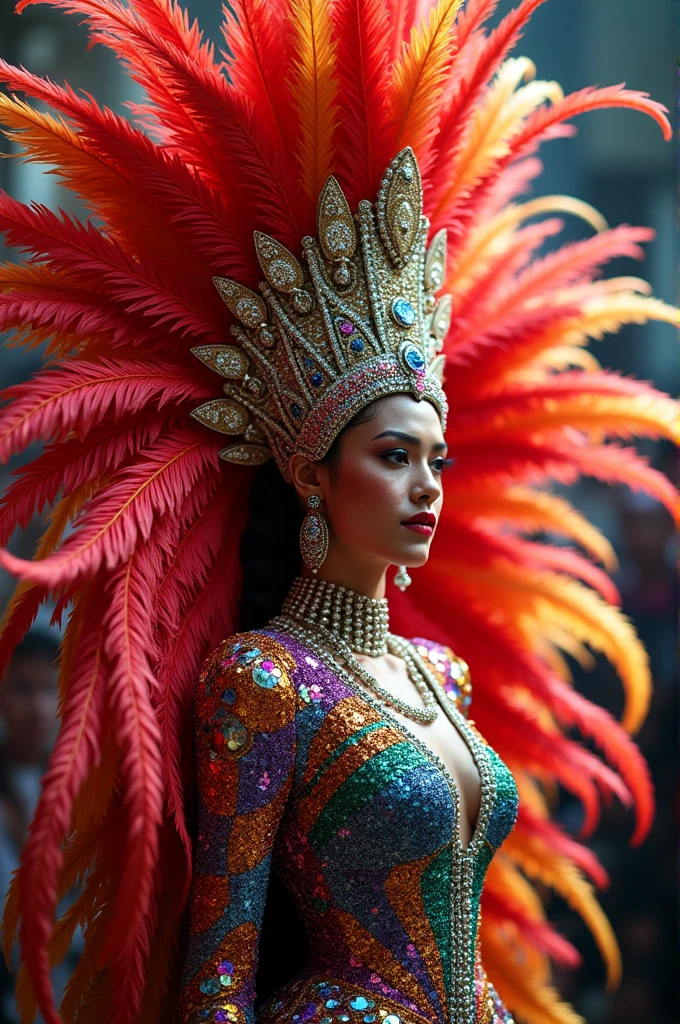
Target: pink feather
column 110, row 526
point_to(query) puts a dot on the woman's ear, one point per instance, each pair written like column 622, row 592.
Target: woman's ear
column 305, row 476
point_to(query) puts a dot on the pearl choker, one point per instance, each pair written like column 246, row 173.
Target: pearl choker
column 362, row 622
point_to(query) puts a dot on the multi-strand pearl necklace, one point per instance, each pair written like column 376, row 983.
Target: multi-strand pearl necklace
column 343, row 621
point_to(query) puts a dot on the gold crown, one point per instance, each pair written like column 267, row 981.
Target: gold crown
column 357, row 323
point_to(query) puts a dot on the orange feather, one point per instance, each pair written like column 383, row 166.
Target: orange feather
column 313, row 87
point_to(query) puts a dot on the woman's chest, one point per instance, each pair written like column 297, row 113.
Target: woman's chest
column 447, row 737
column 373, row 790
column 445, row 742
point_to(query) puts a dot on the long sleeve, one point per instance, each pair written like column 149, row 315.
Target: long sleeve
column 245, row 749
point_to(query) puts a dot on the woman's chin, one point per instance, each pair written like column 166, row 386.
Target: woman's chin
column 413, row 556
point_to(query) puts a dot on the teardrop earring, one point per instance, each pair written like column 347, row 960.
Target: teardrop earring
column 402, row 580
column 314, row 535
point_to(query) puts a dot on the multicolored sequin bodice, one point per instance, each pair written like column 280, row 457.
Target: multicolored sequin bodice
column 301, row 772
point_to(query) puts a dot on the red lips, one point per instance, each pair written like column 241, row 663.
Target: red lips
column 427, row 518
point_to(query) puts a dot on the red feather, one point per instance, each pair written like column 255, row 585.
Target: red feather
column 87, row 254
column 498, row 908
column 363, row 77
column 197, row 569
column 129, row 646
column 79, row 394
column 110, row 526
column 74, row 753
column 402, row 15
column 69, row 465
column 153, row 195
column 258, row 37
column 455, row 118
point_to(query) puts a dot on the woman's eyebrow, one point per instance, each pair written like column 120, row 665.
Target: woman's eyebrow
column 409, row 438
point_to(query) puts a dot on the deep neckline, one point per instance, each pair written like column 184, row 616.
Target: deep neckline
column 465, row 737
column 461, row 727
column 475, row 746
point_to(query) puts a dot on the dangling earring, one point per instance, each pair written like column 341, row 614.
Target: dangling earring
column 314, row 535
column 402, row 578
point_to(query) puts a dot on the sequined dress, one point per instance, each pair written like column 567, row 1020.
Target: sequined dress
column 300, row 772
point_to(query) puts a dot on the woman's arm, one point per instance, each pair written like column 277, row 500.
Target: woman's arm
column 245, row 748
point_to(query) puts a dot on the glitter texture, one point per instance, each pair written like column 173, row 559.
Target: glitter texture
column 366, row 823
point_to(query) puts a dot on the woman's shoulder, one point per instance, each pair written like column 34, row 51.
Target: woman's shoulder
column 248, row 674
column 451, row 670
column 251, row 649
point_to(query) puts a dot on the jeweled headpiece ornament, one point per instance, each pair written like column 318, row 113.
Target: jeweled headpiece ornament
column 356, row 321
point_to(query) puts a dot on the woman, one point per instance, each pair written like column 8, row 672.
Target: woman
column 291, row 175
column 380, row 817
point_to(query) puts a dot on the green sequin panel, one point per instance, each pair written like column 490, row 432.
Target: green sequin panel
column 374, row 775
column 339, row 750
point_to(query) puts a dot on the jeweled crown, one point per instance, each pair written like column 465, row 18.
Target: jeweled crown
column 356, row 321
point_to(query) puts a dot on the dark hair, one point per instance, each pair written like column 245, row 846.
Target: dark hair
column 270, row 550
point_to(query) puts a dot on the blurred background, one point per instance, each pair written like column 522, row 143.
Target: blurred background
column 619, row 162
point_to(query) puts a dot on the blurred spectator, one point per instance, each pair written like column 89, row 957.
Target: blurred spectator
column 29, row 726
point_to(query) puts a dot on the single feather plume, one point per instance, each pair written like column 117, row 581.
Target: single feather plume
column 312, row 82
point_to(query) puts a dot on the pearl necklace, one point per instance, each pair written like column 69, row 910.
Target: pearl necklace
column 307, row 620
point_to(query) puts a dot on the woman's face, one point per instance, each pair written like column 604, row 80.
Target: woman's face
column 383, row 496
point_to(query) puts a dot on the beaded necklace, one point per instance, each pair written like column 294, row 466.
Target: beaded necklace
column 346, row 621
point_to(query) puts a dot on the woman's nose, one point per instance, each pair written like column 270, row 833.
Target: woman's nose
column 427, row 488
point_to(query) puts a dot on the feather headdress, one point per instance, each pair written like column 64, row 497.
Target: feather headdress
column 149, row 573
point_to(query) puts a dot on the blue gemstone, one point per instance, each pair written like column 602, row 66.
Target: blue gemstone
column 357, row 345
column 229, row 696
column 307, row 363
column 414, row 358
column 265, row 679
column 403, row 312
column 296, row 410
column 359, row 1003
column 210, row 986
column 316, row 378
column 249, row 656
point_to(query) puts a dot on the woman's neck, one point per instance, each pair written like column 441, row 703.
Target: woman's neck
column 345, row 569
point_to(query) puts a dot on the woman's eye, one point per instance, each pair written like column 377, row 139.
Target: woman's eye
column 400, row 455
